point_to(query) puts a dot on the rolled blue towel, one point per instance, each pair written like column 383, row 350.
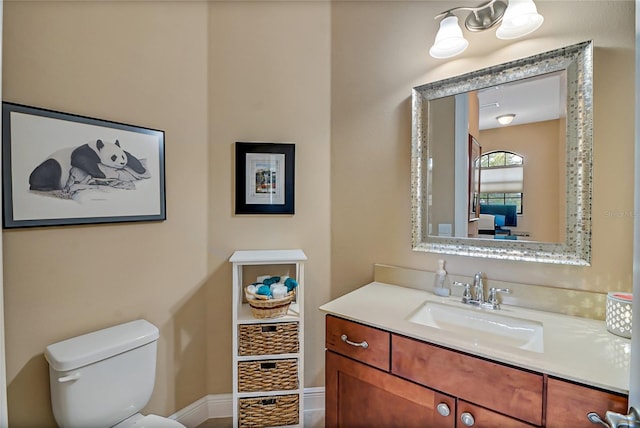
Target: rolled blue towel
column 290, row 283
column 264, row 290
column 271, row 280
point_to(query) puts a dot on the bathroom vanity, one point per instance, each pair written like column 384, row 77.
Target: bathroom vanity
column 389, row 363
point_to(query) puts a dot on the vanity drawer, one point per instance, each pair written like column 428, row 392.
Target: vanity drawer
column 268, row 375
column 484, row 418
column 268, row 339
column 569, row 403
column 511, row 391
column 376, row 353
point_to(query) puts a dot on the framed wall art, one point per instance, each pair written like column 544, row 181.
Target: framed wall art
column 475, row 150
column 265, row 177
column 66, row 169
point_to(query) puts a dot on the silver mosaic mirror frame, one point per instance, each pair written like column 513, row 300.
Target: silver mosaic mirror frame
column 577, row 60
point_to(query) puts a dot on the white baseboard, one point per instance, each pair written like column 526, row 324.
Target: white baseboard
column 208, row 407
column 220, row 406
column 314, row 399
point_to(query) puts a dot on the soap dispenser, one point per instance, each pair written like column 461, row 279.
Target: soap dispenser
column 441, row 283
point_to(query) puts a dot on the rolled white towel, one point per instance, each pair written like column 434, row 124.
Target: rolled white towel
column 279, row 291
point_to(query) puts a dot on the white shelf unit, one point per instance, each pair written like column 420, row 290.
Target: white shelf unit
column 247, row 266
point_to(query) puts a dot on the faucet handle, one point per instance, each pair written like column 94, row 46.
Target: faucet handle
column 493, row 294
column 466, row 294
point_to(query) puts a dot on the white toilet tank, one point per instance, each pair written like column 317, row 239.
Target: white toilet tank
column 101, row 378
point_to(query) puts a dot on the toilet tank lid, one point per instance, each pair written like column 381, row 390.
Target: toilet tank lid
column 92, row 347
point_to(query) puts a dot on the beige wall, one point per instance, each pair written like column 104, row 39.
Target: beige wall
column 335, row 78
column 538, row 144
column 380, row 51
column 126, row 62
column 269, row 77
column 442, row 170
column 209, row 75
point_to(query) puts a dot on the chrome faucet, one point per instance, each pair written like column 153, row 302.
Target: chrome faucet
column 477, row 296
column 478, row 287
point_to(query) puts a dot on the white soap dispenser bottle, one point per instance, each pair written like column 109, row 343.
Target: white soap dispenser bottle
column 441, row 282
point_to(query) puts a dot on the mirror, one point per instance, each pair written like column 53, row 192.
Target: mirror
column 532, row 140
column 517, row 192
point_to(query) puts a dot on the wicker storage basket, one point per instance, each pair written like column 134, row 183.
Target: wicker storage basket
column 263, row 307
column 268, row 411
column 268, row 339
column 271, row 375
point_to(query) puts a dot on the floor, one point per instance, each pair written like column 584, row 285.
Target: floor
column 217, row 423
column 313, row 419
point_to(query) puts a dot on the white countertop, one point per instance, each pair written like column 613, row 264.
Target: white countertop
column 577, row 349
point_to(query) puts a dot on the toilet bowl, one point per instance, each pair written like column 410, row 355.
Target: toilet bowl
column 104, row 378
column 149, row 421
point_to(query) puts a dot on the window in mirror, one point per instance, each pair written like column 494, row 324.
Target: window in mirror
column 501, row 180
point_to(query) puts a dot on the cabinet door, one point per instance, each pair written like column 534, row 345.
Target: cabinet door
column 470, row 415
column 358, row 395
column 568, row 404
column 511, row 391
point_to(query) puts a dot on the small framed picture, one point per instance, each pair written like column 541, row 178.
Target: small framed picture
column 265, row 177
column 64, row 169
column 475, row 151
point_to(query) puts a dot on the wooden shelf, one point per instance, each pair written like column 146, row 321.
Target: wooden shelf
column 243, row 316
column 263, row 257
column 246, row 317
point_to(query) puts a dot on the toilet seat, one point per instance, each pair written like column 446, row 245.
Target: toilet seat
column 155, row 421
column 149, row 421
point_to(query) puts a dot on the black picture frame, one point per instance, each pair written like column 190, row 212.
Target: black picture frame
column 265, row 178
column 66, row 169
column 475, row 151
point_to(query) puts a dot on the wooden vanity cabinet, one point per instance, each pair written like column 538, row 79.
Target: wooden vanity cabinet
column 397, row 381
column 507, row 390
column 485, row 418
column 360, row 390
column 569, row 403
column 358, row 395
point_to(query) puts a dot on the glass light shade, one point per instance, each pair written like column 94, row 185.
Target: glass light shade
column 505, row 119
column 449, row 40
column 521, row 18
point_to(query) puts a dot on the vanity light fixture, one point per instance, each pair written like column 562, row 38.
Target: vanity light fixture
column 449, row 40
column 518, row 19
column 505, row 119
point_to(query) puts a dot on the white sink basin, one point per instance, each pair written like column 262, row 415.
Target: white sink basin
column 481, row 327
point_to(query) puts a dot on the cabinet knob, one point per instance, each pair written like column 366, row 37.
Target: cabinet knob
column 467, row 419
column 443, row 409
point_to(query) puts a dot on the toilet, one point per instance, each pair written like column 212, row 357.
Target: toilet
column 104, row 378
